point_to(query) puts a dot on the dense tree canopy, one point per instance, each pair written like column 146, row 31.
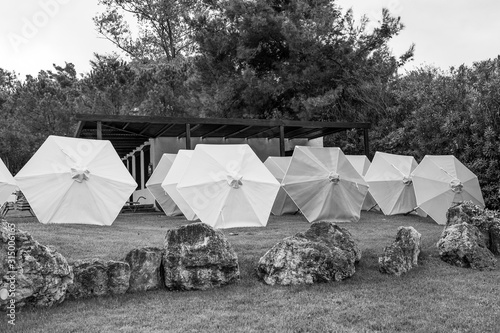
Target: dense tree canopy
column 291, row 59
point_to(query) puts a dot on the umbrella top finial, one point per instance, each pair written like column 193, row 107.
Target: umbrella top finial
column 456, row 186
column 334, row 177
column 79, row 174
column 234, row 180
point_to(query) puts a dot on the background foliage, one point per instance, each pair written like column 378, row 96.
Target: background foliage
column 290, row 59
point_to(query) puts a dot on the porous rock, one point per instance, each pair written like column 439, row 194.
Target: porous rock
column 40, row 275
column 402, row 254
column 198, row 257
column 487, row 221
column 463, row 245
column 145, row 269
column 97, row 277
column 324, row 253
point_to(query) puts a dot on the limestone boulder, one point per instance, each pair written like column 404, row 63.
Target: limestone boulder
column 487, row 221
column 97, row 277
column 297, row 260
column 39, row 274
column 198, row 257
column 324, row 253
column 118, row 277
column 334, row 236
column 462, row 213
column 146, row 272
column 463, row 245
column 402, row 254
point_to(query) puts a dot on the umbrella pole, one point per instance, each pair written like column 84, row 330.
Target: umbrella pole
column 411, row 211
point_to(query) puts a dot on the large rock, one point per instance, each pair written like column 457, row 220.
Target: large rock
column 97, row 277
column 402, row 254
column 145, row 269
column 463, row 245
column 198, row 257
column 324, row 253
column 334, row 236
column 462, row 213
column 487, row 221
column 39, row 274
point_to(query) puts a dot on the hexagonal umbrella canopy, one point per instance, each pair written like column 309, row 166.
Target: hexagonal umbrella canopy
column 283, row 204
column 154, row 185
column 173, row 177
column 7, row 183
column 72, row 180
column 228, row 186
column 324, row 185
column 390, row 181
column 361, row 163
column 441, row 181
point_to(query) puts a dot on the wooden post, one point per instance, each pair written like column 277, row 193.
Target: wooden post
column 143, row 171
column 188, row 136
column 366, row 142
column 282, row 140
column 99, row 130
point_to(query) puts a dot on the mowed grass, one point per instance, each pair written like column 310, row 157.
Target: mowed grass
column 434, row 297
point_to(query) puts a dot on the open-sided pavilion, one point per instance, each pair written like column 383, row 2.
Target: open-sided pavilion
column 141, row 140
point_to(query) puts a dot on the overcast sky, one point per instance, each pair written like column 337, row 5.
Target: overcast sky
column 37, row 33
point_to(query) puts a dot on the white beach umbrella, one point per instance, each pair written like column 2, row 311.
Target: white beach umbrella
column 154, row 185
column 173, row 177
column 228, row 186
column 361, row 163
column 389, row 177
column 72, row 180
column 325, row 185
column 283, row 204
column 7, row 183
column 442, row 180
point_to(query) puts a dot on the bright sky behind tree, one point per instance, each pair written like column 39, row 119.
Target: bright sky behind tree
column 34, row 34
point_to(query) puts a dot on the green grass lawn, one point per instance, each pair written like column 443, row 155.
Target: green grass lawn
column 434, row 297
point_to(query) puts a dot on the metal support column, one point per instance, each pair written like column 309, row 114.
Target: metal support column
column 99, row 130
column 188, row 136
column 282, row 140
column 366, row 142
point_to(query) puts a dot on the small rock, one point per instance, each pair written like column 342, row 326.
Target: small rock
column 198, row 257
column 97, row 277
column 145, row 269
column 402, row 254
column 119, row 276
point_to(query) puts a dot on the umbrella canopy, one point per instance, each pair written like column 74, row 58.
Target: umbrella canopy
column 389, row 177
column 154, row 186
column 228, row 186
column 283, row 204
column 325, row 185
column 72, row 180
column 173, row 177
column 361, row 163
column 7, row 183
column 442, row 180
